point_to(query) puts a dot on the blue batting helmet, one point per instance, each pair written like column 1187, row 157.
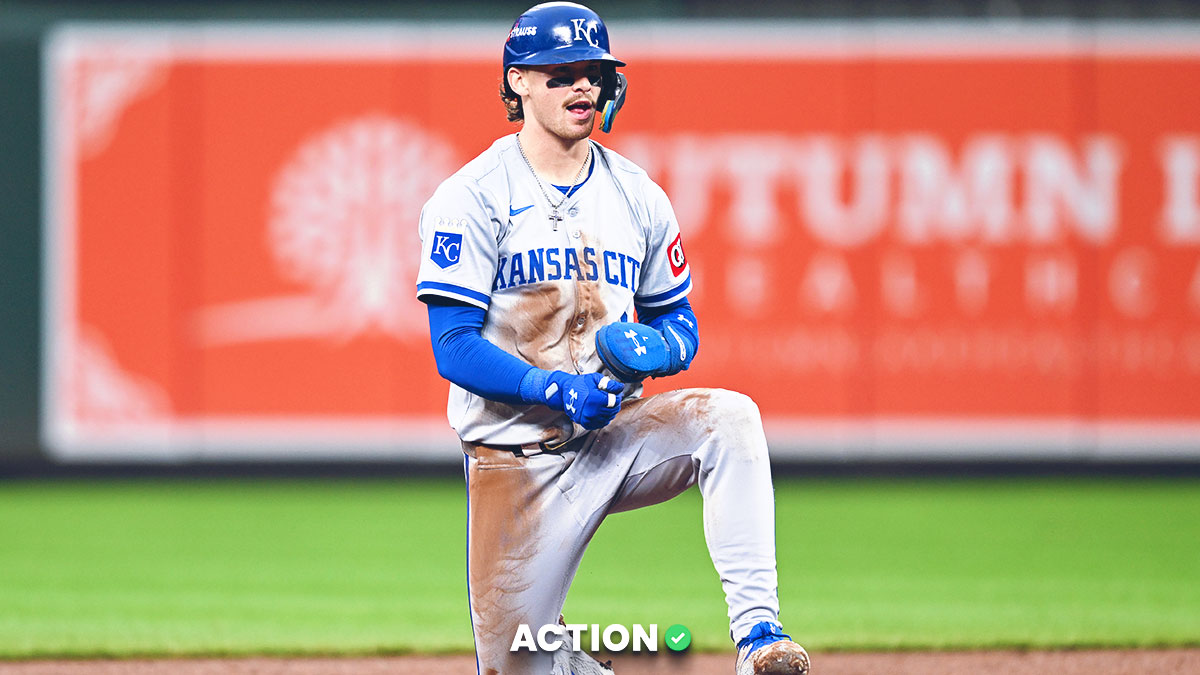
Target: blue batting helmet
column 557, row 32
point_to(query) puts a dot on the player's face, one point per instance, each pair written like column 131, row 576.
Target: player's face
column 562, row 98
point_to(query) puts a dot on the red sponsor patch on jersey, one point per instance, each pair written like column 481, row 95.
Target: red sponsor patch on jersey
column 676, row 256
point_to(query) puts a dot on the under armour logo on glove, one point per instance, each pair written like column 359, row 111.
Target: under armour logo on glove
column 591, row 400
column 638, row 347
column 634, row 351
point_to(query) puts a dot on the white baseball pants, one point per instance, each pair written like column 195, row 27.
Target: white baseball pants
column 530, row 518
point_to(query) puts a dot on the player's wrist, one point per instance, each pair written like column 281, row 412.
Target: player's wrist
column 546, row 387
column 589, row 399
column 533, row 386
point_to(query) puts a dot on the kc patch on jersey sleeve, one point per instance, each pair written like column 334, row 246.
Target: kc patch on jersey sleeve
column 458, row 252
column 447, row 245
column 447, row 249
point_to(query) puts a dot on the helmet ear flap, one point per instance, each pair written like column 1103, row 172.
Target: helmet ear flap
column 608, row 86
column 612, row 97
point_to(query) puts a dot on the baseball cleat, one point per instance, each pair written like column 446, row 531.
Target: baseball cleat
column 768, row 651
column 567, row 662
column 578, row 663
column 584, row 664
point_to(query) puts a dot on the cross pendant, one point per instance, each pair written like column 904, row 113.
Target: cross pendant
column 555, row 219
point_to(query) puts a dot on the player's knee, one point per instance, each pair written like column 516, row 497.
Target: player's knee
column 740, row 426
column 736, row 408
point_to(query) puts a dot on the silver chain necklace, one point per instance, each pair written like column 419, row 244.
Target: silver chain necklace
column 555, row 219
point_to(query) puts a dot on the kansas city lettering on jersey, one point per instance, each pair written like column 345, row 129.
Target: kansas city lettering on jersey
column 554, row 264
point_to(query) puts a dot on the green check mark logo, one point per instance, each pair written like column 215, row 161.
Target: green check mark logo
column 678, row 637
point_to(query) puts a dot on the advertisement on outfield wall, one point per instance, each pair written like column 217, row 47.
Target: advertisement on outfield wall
column 907, row 239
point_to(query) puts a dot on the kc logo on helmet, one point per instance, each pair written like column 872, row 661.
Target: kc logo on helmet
column 584, row 31
column 447, row 247
column 676, row 256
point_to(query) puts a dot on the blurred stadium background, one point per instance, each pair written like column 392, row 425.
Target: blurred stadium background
column 927, row 236
column 929, row 231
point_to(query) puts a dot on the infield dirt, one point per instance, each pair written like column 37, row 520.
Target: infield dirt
column 1089, row 662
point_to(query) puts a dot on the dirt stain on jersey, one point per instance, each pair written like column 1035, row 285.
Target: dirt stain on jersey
column 535, row 329
column 590, row 314
column 553, row 324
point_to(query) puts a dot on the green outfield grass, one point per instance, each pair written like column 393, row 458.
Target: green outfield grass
column 238, row 566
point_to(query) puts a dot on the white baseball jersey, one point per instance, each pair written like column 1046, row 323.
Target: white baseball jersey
column 488, row 240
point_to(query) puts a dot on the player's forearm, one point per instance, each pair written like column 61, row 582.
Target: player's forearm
column 467, row 359
column 677, row 322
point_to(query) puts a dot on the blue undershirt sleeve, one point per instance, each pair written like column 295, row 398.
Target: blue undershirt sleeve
column 467, row 359
column 679, row 314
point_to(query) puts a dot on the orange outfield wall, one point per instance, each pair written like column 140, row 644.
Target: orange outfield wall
column 949, row 232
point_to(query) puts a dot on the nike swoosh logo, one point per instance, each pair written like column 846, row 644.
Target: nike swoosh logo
column 513, row 212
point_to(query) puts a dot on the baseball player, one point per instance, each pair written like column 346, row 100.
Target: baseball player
column 556, row 281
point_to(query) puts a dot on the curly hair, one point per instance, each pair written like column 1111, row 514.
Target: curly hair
column 512, row 102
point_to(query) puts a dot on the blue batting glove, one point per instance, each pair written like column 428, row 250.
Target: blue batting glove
column 632, row 351
column 591, row 400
